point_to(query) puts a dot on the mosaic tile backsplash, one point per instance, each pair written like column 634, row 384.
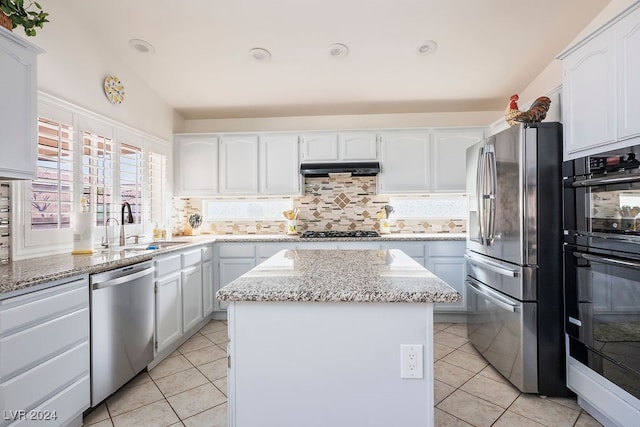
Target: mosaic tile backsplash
column 337, row 203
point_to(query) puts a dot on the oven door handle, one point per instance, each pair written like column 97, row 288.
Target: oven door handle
column 492, row 266
column 607, row 260
column 492, row 296
column 605, row 181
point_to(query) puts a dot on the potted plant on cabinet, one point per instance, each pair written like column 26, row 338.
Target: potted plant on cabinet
column 14, row 13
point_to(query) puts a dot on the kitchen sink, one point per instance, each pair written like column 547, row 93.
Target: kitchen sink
column 155, row 245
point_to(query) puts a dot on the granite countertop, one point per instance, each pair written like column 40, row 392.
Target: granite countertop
column 17, row 276
column 339, row 276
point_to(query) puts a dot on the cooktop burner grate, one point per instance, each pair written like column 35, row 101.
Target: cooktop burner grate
column 333, row 234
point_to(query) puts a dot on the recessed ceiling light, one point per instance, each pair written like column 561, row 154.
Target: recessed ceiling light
column 338, row 50
column 427, row 48
column 260, row 54
column 141, row 46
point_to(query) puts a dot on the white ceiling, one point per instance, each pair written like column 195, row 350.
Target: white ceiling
column 487, row 50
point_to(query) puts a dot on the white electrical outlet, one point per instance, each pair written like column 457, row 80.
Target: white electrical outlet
column 411, row 361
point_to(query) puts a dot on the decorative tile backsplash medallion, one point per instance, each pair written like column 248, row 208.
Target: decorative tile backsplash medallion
column 339, row 203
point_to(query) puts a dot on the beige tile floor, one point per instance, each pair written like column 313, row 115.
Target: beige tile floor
column 189, row 389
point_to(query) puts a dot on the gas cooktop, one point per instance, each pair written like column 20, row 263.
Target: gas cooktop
column 333, row 234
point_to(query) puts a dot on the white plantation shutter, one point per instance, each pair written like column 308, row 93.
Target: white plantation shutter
column 157, row 181
column 51, row 192
column 97, row 174
column 131, row 179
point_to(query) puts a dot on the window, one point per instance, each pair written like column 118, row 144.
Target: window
column 97, row 174
column 157, row 181
column 51, row 192
column 447, row 207
column 131, row 179
column 263, row 209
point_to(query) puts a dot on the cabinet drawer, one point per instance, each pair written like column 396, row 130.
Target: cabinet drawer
column 207, row 253
column 167, row 265
column 26, row 310
column 191, row 258
column 237, row 251
column 67, row 404
column 267, row 251
column 447, row 248
column 30, row 346
column 44, row 380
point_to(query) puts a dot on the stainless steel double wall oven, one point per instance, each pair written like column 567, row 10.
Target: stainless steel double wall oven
column 602, row 264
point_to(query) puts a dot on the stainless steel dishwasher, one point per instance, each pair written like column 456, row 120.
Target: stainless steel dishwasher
column 122, row 312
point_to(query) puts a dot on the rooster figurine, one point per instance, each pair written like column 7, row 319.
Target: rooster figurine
column 535, row 114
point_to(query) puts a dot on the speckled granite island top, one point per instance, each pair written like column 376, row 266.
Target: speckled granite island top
column 339, row 276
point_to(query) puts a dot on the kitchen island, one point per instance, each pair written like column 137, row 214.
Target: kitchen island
column 316, row 335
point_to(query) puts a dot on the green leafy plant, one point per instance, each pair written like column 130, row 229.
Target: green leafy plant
column 30, row 16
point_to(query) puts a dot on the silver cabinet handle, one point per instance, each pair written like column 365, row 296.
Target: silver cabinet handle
column 492, row 266
column 496, row 299
column 605, row 181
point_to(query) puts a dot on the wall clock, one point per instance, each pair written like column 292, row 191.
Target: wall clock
column 114, row 89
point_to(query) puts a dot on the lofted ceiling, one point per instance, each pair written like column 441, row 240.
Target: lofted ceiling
column 201, row 65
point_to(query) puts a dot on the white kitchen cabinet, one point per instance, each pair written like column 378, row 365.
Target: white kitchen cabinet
column 344, row 146
column 405, row 162
column 279, row 168
column 628, row 74
column 196, row 165
column 446, row 260
column 44, row 352
column 415, row 249
column 448, row 171
column 192, row 307
column 18, row 107
column 207, row 280
column 357, row 146
column 229, row 270
column 168, row 310
column 239, row 164
column 589, row 87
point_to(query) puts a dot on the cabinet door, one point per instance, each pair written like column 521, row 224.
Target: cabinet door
column 628, row 61
column 405, row 163
column 416, row 250
column 207, row 287
column 168, row 311
column 18, row 109
column 449, row 167
column 279, row 165
column 451, row 270
column 191, row 297
column 239, row 165
column 589, row 104
column 320, row 147
column 196, row 164
column 358, row 146
column 231, row 269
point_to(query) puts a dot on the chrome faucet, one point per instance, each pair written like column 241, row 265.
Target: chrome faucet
column 127, row 206
column 105, row 240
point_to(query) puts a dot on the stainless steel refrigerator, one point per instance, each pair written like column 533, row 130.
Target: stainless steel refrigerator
column 514, row 256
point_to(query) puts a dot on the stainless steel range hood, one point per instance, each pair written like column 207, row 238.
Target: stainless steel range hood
column 312, row 170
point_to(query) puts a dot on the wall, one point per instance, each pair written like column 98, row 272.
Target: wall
column 75, row 64
column 363, row 121
column 339, row 204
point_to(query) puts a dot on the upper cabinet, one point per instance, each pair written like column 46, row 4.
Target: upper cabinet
column 346, row 146
column 239, row 164
column 405, row 162
column 448, row 173
column 279, row 170
column 628, row 60
column 196, row 165
column 18, row 107
column 601, row 88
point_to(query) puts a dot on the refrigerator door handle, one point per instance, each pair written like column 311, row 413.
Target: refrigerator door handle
column 487, row 293
column 496, row 268
column 491, row 220
column 480, row 194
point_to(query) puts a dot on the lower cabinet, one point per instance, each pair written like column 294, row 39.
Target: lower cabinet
column 183, row 289
column 44, row 355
